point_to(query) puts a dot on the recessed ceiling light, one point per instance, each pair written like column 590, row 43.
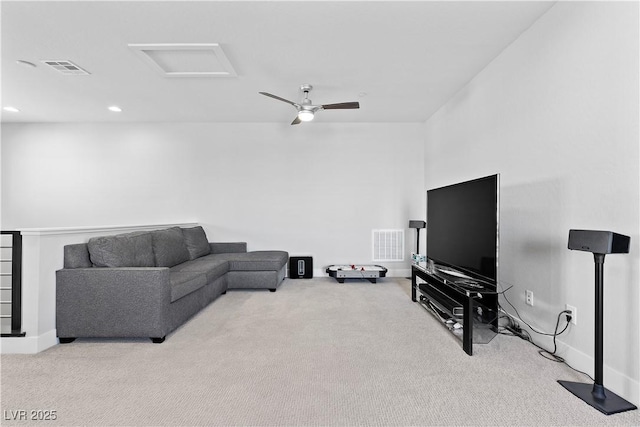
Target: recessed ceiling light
column 115, row 109
column 11, row 109
column 25, row 63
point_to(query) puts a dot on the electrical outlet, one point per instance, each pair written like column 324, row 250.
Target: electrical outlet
column 528, row 297
column 574, row 313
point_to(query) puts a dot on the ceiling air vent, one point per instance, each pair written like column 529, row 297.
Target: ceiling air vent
column 66, row 67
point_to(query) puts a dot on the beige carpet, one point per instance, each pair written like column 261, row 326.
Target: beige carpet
column 313, row 353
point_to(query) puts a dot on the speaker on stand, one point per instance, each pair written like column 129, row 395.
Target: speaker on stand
column 417, row 224
column 599, row 243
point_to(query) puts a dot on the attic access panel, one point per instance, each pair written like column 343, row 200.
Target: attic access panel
column 186, row 59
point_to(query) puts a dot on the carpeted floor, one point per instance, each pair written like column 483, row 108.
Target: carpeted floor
column 313, row 353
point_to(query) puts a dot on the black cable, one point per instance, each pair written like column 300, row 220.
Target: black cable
column 579, row 371
column 502, row 292
column 522, row 334
column 520, row 317
column 553, row 357
column 554, row 334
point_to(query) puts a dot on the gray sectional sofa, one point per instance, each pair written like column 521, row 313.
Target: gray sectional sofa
column 146, row 284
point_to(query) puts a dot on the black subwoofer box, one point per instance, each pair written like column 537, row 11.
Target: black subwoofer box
column 300, row 267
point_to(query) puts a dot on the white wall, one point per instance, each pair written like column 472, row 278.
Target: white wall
column 557, row 115
column 316, row 189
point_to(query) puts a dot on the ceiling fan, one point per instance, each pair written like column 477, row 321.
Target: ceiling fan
column 307, row 110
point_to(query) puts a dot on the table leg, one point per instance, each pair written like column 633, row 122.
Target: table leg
column 467, row 327
column 413, row 285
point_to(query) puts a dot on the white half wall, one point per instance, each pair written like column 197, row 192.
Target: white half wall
column 316, row 189
column 556, row 114
column 42, row 255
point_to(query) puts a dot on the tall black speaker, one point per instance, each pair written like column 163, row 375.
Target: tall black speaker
column 417, row 224
column 600, row 243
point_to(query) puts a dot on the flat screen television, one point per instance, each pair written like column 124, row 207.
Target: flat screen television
column 463, row 227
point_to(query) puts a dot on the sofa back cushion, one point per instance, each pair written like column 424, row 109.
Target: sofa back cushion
column 122, row 250
column 196, row 240
column 169, row 247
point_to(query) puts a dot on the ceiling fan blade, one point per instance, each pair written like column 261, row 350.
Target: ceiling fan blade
column 278, row 98
column 296, row 121
column 341, row 106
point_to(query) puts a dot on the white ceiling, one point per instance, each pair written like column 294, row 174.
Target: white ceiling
column 401, row 60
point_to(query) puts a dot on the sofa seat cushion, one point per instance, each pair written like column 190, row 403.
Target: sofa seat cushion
column 185, row 282
column 256, row 260
column 210, row 265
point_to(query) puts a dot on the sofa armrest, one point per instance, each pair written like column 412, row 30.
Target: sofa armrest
column 227, row 247
column 113, row 302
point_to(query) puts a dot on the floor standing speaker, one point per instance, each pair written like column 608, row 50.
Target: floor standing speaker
column 599, row 243
column 300, row 267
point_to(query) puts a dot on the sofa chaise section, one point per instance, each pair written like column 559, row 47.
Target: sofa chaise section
column 256, row 270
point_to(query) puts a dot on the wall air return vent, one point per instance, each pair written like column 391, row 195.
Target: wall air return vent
column 65, row 67
column 186, row 59
column 388, row 245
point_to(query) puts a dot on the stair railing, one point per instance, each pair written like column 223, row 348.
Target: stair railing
column 11, row 283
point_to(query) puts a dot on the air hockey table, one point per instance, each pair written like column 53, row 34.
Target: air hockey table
column 369, row 272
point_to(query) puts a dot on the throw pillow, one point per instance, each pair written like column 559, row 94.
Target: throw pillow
column 169, row 247
column 196, row 240
column 122, row 250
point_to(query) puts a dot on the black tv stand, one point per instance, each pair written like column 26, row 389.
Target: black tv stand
column 456, row 301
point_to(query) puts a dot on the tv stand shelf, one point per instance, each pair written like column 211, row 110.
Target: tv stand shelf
column 457, row 300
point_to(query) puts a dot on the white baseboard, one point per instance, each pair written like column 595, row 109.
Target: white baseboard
column 28, row 345
column 400, row 272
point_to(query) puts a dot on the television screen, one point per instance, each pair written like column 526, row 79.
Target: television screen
column 463, row 226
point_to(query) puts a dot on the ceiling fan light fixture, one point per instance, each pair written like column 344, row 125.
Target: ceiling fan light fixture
column 305, row 115
column 307, row 110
